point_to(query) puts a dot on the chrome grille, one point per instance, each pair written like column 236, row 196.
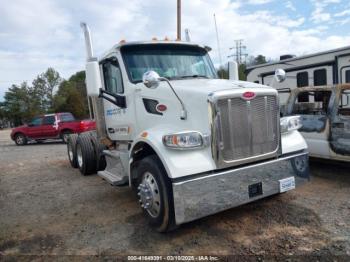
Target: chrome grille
column 247, row 128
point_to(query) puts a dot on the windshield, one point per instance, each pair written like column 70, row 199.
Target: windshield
column 168, row 60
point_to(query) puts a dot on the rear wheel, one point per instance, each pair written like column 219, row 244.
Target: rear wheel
column 100, row 158
column 72, row 150
column 86, row 158
column 20, row 139
column 155, row 194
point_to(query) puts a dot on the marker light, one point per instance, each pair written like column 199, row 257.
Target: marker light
column 290, row 123
column 185, row 140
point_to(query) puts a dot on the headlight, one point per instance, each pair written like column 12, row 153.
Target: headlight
column 185, row 140
column 290, row 123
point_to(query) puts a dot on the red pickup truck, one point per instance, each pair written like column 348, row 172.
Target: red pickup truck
column 50, row 126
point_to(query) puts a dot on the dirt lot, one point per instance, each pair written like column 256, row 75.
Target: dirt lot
column 47, row 207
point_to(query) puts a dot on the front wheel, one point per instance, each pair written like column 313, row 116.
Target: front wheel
column 155, row 194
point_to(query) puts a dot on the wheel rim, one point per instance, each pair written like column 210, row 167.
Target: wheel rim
column 70, row 152
column 79, row 156
column 19, row 139
column 149, row 194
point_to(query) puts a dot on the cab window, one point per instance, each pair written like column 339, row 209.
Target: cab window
column 36, row 121
column 113, row 77
column 313, row 106
column 49, row 120
column 67, row 117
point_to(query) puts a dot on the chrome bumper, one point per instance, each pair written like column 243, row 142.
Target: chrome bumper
column 207, row 194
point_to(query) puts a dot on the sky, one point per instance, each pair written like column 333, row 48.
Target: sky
column 35, row 35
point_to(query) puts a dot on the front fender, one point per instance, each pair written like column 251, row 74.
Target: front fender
column 177, row 163
column 292, row 142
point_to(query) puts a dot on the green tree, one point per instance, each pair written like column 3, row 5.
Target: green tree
column 44, row 86
column 71, row 96
column 18, row 105
column 260, row 59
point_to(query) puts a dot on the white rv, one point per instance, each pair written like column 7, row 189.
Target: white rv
column 320, row 69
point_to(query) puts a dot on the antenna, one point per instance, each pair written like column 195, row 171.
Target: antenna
column 217, row 39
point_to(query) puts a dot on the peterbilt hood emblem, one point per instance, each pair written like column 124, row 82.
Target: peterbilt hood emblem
column 248, row 95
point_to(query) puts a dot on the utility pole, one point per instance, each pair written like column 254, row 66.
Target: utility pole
column 239, row 51
column 178, row 19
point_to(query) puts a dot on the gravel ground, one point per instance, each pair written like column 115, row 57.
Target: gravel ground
column 48, row 208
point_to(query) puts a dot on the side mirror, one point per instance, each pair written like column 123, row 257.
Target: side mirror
column 233, row 71
column 280, row 75
column 151, row 79
column 93, row 78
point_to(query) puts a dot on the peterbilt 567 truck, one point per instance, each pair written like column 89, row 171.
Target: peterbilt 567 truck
column 188, row 143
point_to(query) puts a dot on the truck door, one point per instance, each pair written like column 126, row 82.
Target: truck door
column 119, row 124
column 34, row 128
column 313, row 107
column 340, row 129
column 49, row 127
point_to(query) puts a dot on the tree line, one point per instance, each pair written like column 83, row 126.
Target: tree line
column 48, row 93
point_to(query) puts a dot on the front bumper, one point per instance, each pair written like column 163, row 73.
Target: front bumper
column 207, row 194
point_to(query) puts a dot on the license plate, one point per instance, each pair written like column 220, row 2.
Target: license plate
column 287, row 184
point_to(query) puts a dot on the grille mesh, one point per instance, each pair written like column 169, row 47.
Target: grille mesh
column 248, row 129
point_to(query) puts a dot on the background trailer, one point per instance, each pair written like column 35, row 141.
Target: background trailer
column 319, row 69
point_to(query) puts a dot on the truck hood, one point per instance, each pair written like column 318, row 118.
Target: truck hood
column 203, row 87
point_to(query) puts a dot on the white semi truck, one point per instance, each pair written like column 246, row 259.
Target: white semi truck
column 188, row 143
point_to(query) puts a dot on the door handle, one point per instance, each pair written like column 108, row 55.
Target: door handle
column 338, row 125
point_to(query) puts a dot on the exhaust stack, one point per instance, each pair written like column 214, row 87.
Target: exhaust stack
column 93, row 85
column 88, row 42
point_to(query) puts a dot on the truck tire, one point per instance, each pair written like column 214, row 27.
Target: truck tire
column 64, row 135
column 155, row 194
column 20, row 139
column 85, row 155
column 100, row 158
column 72, row 150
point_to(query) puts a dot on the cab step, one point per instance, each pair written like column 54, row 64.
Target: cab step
column 115, row 172
column 114, row 179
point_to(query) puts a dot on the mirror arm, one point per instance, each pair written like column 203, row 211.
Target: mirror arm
column 183, row 115
column 119, row 100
